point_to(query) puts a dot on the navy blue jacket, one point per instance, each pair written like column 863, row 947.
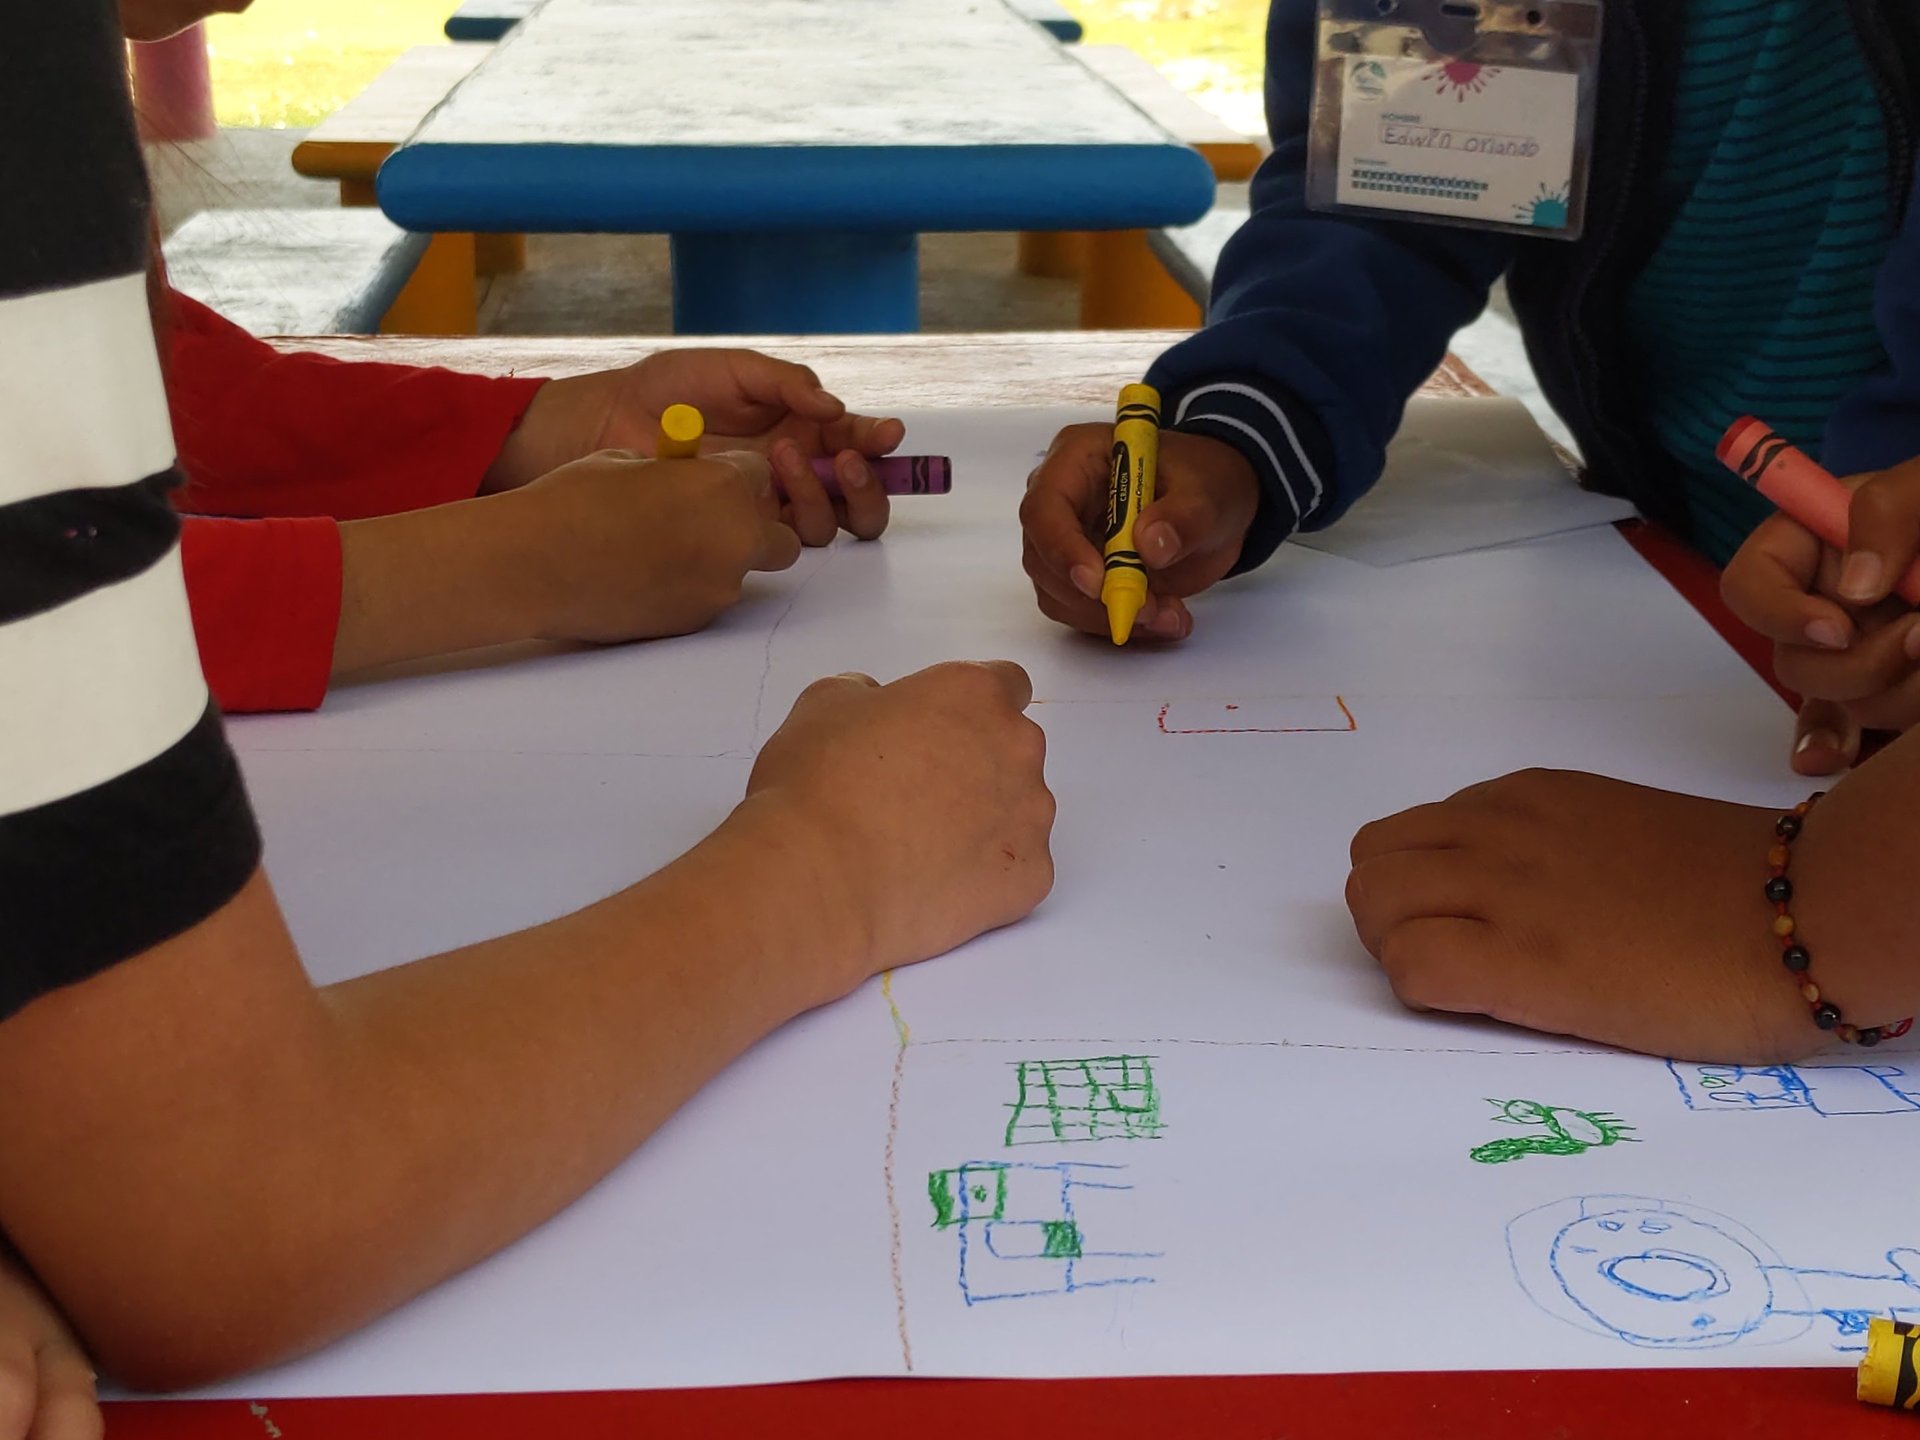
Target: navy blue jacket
column 1322, row 325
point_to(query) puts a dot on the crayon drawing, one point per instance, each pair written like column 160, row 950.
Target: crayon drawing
column 1102, row 1097
column 1559, row 1131
column 1024, row 1232
column 1660, row 1274
column 1289, row 715
column 1878, row 1089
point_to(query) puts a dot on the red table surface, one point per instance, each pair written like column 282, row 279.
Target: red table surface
column 1491, row 1405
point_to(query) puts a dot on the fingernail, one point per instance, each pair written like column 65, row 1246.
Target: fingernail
column 1158, row 543
column 854, row 474
column 1086, row 580
column 1816, row 740
column 1167, row 625
column 1827, row 634
column 1912, row 643
column 1860, row 576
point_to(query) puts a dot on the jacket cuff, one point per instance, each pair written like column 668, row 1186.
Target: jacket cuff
column 265, row 596
column 1281, row 438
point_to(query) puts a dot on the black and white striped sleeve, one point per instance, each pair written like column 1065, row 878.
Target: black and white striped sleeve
column 123, row 819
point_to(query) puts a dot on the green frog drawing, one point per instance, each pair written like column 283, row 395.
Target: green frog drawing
column 1567, row 1131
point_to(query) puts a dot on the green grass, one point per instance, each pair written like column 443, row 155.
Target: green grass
column 290, row 62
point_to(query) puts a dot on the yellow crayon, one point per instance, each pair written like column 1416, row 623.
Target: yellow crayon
column 1136, row 449
column 681, row 427
column 1888, row 1375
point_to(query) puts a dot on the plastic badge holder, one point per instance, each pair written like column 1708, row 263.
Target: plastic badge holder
column 1456, row 112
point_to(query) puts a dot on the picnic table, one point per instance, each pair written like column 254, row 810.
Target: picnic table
column 490, row 19
column 794, row 150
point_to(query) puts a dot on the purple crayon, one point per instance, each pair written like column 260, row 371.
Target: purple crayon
column 897, row 474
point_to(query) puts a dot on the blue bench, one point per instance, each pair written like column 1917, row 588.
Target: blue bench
column 294, row 272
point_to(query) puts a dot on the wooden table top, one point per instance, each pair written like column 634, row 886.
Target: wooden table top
column 872, row 373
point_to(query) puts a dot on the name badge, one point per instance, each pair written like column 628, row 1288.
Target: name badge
column 1460, row 113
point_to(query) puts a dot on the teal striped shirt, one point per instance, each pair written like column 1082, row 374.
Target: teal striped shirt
column 1759, row 298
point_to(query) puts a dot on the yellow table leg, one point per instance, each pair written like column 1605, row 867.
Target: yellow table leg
column 1125, row 287
column 1057, row 254
column 438, row 299
column 500, row 254
column 492, row 254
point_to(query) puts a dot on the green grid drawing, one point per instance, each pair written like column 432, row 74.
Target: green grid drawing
column 1102, row 1097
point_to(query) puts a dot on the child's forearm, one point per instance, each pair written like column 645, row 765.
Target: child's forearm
column 1855, row 898
column 395, row 1128
column 432, row 582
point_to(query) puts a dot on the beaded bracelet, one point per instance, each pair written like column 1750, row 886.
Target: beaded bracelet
column 1793, row 951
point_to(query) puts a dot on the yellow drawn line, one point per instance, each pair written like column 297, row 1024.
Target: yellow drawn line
column 900, row 1028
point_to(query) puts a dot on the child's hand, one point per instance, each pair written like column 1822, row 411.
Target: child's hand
column 1839, row 639
column 615, row 548
column 46, row 1384
column 922, row 806
column 1205, row 498
column 1583, row 906
column 750, row 401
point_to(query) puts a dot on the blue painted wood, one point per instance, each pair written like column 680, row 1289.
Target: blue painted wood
column 847, row 282
column 573, row 189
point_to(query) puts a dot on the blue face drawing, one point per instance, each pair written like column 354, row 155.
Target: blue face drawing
column 1662, row 1279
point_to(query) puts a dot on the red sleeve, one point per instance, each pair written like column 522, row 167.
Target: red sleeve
column 265, row 596
column 265, row 433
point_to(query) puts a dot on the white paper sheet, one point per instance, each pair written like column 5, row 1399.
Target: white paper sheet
column 1464, row 474
column 1302, row 1171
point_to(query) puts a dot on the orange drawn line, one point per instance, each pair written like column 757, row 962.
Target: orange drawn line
column 1346, row 729
column 902, row 1035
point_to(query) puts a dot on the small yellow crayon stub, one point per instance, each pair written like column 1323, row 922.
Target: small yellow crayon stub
column 1136, row 451
column 681, row 427
column 1887, row 1375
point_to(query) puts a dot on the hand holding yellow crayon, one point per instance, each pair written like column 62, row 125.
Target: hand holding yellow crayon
column 1136, row 449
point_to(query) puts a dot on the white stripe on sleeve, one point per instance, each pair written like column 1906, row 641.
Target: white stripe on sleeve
column 97, row 686
column 1267, row 403
column 82, row 404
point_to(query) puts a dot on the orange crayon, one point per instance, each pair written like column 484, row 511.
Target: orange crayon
column 1799, row 485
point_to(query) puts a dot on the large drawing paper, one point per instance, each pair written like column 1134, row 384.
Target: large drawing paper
column 1175, row 1122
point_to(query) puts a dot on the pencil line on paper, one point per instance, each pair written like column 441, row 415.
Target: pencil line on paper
column 902, row 1036
column 766, row 668
column 1129, row 1040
